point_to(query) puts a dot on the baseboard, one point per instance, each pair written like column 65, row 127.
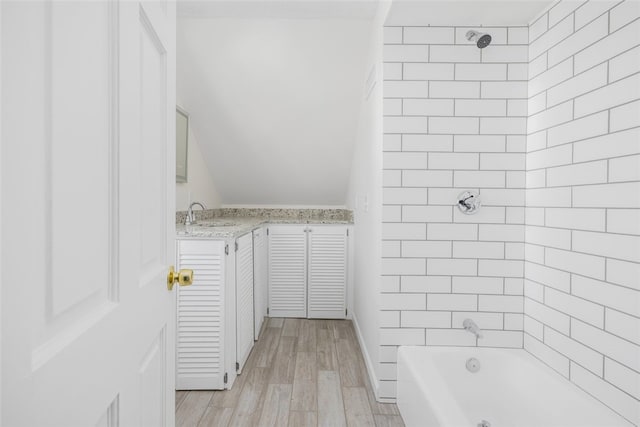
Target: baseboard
column 367, row 360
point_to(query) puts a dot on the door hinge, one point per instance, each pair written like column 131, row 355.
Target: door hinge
column 267, row 310
column 226, row 378
column 226, row 249
column 267, row 231
column 345, row 312
column 236, row 246
column 237, row 366
column 347, row 231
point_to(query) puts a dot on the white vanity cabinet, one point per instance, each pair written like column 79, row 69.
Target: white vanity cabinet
column 308, row 271
column 279, row 271
column 214, row 332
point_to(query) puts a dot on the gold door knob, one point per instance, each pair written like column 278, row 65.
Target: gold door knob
column 184, row 277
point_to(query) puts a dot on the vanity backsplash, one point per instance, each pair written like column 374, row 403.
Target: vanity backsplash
column 266, row 214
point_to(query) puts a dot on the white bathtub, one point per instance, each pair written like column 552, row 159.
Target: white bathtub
column 511, row 389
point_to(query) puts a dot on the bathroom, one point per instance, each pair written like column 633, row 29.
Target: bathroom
column 456, row 183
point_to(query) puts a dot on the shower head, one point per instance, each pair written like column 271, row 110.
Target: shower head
column 482, row 39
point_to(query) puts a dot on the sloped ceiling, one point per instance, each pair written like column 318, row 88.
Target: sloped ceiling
column 273, row 87
column 273, row 101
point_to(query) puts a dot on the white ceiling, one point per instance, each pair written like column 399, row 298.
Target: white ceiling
column 274, row 104
column 465, row 12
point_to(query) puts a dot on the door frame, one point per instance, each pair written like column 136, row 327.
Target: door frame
column 1, row 211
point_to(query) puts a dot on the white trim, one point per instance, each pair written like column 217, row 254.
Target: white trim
column 1, row 223
column 367, row 361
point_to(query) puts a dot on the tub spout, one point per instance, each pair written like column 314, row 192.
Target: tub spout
column 470, row 325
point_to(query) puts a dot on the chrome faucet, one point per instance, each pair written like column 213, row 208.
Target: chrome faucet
column 191, row 218
column 470, row 325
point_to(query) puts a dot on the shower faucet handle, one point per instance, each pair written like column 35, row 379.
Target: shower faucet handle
column 464, row 202
column 469, row 202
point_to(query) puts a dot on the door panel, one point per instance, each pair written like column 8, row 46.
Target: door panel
column 153, row 381
column 259, row 279
column 327, row 272
column 244, row 299
column 201, row 344
column 88, row 197
column 153, row 170
column 287, row 271
column 81, row 95
column 77, row 107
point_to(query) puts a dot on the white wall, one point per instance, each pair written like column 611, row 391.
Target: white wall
column 199, row 186
column 275, row 103
column 454, row 120
column 365, row 199
column 582, row 287
column 580, row 187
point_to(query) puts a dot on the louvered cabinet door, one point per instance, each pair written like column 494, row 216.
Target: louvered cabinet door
column 200, row 312
column 327, row 276
column 244, row 299
column 287, row 271
column 259, row 279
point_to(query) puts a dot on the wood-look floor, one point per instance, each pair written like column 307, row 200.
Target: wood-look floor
column 300, row 373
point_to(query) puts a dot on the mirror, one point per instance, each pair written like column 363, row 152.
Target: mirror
column 182, row 144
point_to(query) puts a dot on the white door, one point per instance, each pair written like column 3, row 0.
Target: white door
column 244, row 299
column 200, row 361
column 288, row 271
column 259, row 279
column 88, row 147
column 327, row 272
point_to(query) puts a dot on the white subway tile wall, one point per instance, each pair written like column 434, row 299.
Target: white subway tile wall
column 455, row 120
column 545, row 124
column 582, row 251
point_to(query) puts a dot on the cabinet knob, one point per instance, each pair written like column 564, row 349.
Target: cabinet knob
column 184, row 277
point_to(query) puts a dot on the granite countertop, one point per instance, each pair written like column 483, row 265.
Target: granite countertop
column 236, row 226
